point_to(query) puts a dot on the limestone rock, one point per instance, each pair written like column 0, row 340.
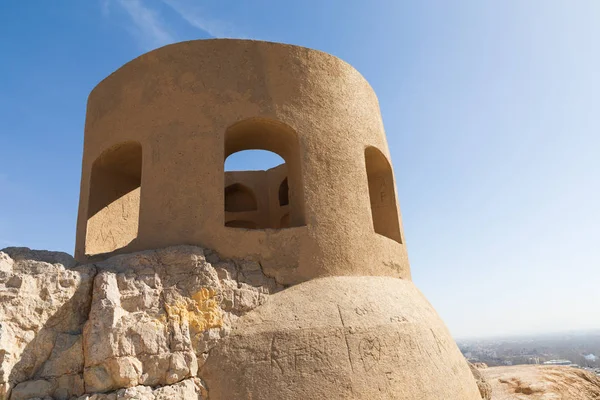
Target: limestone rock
column 32, row 389
column 25, row 255
column 135, row 321
column 484, row 386
column 188, row 389
column 542, row 382
column 156, row 314
column 44, row 302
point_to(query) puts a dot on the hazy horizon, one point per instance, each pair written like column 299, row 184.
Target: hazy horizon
column 491, row 111
column 529, row 335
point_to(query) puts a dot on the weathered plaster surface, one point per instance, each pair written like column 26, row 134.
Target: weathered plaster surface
column 189, row 105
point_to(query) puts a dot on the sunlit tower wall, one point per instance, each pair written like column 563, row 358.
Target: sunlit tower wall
column 158, row 131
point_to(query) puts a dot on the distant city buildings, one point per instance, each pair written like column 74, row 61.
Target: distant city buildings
column 579, row 352
column 558, row 362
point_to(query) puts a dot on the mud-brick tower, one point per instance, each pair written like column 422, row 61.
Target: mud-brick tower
column 351, row 325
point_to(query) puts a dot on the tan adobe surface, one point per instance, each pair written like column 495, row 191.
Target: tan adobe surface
column 370, row 338
column 159, row 129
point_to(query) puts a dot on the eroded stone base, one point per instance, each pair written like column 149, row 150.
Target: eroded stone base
column 182, row 323
column 341, row 338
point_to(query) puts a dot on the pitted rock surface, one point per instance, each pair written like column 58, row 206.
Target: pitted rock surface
column 542, row 382
column 44, row 303
column 140, row 321
column 190, row 389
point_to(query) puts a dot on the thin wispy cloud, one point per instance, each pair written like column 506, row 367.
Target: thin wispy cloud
column 192, row 12
column 148, row 26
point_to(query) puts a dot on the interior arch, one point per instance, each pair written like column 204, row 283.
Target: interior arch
column 239, row 198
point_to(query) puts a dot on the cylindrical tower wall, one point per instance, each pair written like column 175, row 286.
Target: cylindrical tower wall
column 180, row 103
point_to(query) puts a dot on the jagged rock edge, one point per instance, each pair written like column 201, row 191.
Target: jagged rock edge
column 95, row 270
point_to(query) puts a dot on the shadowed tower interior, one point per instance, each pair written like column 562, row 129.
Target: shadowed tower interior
column 114, row 201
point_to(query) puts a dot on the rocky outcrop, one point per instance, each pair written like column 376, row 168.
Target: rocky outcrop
column 44, row 302
column 141, row 326
column 135, row 326
column 485, row 389
column 540, row 382
column 191, row 388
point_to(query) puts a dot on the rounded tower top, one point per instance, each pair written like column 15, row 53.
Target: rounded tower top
column 159, row 129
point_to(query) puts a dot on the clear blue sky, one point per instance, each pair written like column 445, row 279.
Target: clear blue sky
column 492, row 111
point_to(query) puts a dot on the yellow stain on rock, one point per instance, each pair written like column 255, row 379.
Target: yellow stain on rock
column 201, row 311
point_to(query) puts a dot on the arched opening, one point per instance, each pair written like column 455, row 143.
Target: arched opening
column 247, row 188
column 382, row 194
column 239, row 198
column 284, row 198
column 114, row 198
column 253, row 160
column 262, row 155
